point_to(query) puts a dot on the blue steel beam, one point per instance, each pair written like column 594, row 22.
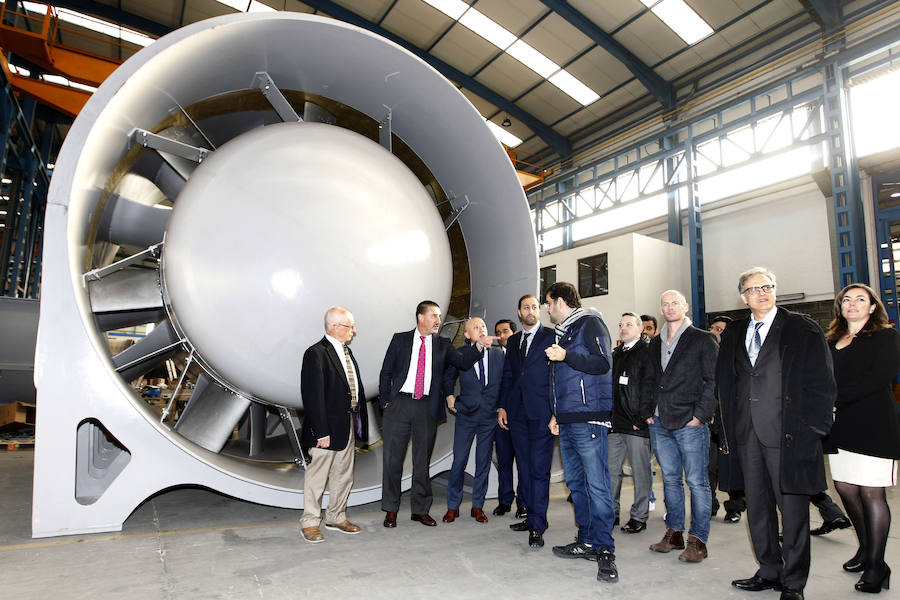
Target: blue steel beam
column 828, row 12
column 545, row 132
column 656, row 85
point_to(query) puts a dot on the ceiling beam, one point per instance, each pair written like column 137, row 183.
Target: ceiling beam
column 827, row 11
column 115, row 15
column 553, row 139
column 662, row 90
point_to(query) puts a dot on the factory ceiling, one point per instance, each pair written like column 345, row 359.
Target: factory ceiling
column 556, row 75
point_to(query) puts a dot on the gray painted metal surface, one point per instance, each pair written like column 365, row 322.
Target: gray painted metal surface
column 18, row 330
column 285, row 230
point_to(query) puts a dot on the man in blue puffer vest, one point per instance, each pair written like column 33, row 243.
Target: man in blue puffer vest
column 581, row 400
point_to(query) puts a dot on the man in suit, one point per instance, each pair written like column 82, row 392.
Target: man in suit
column 581, row 389
column 678, row 401
column 525, row 412
column 506, row 454
column 334, row 416
column 476, row 415
column 777, row 390
column 411, row 396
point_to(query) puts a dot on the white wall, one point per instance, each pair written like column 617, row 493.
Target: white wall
column 640, row 269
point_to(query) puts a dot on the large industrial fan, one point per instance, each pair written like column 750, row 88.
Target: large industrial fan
column 221, row 190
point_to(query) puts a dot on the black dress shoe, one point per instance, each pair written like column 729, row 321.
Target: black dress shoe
column 521, row 512
column 873, row 583
column 520, row 526
column 756, row 584
column 732, row 516
column 829, row 526
column 501, row 510
column 535, row 539
column 855, row 564
column 634, row 526
column 789, row 594
column 424, row 519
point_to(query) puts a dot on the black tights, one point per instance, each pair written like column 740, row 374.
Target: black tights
column 868, row 509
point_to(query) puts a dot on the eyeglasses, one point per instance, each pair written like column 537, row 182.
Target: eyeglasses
column 350, row 326
column 756, row 290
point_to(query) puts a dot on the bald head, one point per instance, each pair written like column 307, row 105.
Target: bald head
column 474, row 329
column 339, row 324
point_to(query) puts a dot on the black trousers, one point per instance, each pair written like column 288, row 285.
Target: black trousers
column 789, row 561
column 405, row 419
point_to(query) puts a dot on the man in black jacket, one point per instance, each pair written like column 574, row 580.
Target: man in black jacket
column 629, row 435
column 678, row 401
column 777, row 394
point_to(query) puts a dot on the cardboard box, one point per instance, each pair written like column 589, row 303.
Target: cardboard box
column 16, row 415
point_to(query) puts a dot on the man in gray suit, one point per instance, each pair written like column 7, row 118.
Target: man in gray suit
column 777, row 394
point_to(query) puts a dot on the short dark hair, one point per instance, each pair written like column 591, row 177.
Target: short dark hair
column 512, row 324
column 721, row 318
column 566, row 291
column 525, row 297
column 423, row 306
column 649, row 318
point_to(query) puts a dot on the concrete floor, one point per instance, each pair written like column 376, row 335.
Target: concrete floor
column 196, row 544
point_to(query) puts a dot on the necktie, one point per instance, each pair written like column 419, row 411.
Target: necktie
column 351, row 378
column 481, row 378
column 419, row 389
column 755, row 344
column 523, row 349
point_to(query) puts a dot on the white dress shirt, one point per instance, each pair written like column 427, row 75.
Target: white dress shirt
column 339, row 348
column 763, row 330
column 409, row 385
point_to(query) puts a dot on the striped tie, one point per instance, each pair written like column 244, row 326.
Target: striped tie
column 755, row 344
column 351, row 378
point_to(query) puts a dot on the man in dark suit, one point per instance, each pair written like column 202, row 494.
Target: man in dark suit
column 476, row 415
column 334, row 416
column 678, row 401
column 410, row 394
column 777, row 390
column 506, row 454
column 525, row 412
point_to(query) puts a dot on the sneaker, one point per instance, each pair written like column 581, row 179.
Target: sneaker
column 575, row 550
column 652, row 506
column 606, row 567
column 634, row 526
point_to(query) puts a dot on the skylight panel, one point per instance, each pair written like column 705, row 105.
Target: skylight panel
column 256, row 6
column 487, row 28
column 574, row 88
column 240, row 5
column 452, row 8
column 503, row 135
column 682, row 19
column 532, row 59
column 82, row 20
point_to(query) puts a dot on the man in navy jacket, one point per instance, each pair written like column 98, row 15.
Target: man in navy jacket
column 525, row 412
column 476, row 410
column 581, row 396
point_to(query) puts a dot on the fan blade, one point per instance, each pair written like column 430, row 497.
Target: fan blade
column 132, row 223
column 259, row 415
column 159, row 345
column 313, row 113
column 211, row 414
column 126, row 290
column 129, row 318
column 152, row 166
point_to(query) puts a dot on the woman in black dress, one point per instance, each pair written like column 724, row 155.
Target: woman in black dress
column 866, row 432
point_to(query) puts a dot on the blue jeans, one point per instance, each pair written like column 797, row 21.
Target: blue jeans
column 584, row 451
column 684, row 452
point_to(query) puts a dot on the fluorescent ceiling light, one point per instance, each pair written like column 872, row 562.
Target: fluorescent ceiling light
column 2, row 212
column 487, row 28
column 532, row 59
column 452, row 8
column 503, row 135
column 104, row 27
column 577, row 90
column 682, row 19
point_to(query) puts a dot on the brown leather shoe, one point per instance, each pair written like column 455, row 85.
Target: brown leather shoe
column 479, row 515
column 695, row 551
column 673, row 540
column 450, row 515
column 390, row 518
column 344, row 526
column 424, row 519
column 312, row 535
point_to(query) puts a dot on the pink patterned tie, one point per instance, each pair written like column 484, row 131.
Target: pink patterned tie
column 419, row 389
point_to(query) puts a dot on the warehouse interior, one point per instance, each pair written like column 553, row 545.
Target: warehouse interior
column 149, row 373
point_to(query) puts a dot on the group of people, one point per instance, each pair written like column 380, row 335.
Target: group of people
column 752, row 404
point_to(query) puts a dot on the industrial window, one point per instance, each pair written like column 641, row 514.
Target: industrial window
column 593, row 276
column 548, row 278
